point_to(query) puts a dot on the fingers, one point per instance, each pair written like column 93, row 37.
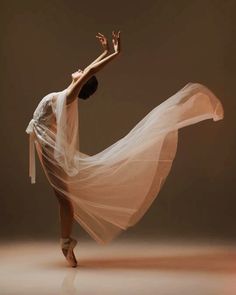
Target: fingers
column 101, row 34
column 113, row 34
column 116, row 35
column 101, row 37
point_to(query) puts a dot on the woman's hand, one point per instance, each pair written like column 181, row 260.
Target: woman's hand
column 103, row 41
column 116, row 42
column 101, row 61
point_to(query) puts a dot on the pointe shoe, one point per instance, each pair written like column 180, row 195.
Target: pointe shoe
column 67, row 246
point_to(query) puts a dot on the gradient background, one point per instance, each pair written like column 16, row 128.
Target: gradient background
column 165, row 45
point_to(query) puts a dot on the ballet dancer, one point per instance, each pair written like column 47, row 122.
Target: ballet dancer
column 111, row 190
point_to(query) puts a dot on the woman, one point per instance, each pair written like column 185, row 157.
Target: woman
column 111, row 190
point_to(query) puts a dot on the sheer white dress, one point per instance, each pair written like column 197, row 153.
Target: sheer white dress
column 111, row 190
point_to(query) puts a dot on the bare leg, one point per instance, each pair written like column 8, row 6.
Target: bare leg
column 66, row 214
column 65, row 207
column 66, row 222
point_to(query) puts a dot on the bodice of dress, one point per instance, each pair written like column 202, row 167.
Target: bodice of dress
column 43, row 113
column 43, row 117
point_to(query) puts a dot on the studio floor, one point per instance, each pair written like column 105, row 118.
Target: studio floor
column 124, row 267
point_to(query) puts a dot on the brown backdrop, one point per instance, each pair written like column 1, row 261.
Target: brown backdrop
column 165, row 44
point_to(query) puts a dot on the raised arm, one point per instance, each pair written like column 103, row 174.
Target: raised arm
column 97, row 66
column 104, row 54
column 93, row 68
column 105, row 46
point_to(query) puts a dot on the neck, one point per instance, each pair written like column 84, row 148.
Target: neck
column 71, row 84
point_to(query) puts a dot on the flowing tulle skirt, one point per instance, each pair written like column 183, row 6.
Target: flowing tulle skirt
column 111, row 190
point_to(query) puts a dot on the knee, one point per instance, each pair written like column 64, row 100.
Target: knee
column 62, row 199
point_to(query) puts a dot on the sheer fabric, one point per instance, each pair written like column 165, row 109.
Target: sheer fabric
column 111, row 190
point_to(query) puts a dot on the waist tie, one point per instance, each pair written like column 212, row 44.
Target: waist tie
column 32, row 166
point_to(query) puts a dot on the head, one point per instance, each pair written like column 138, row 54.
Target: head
column 88, row 88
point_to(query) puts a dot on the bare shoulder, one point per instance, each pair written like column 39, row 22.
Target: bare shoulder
column 70, row 96
column 71, row 93
column 66, row 92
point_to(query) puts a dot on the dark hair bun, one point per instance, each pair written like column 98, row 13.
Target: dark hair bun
column 88, row 88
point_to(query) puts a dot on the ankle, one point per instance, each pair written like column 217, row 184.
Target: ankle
column 65, row 242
